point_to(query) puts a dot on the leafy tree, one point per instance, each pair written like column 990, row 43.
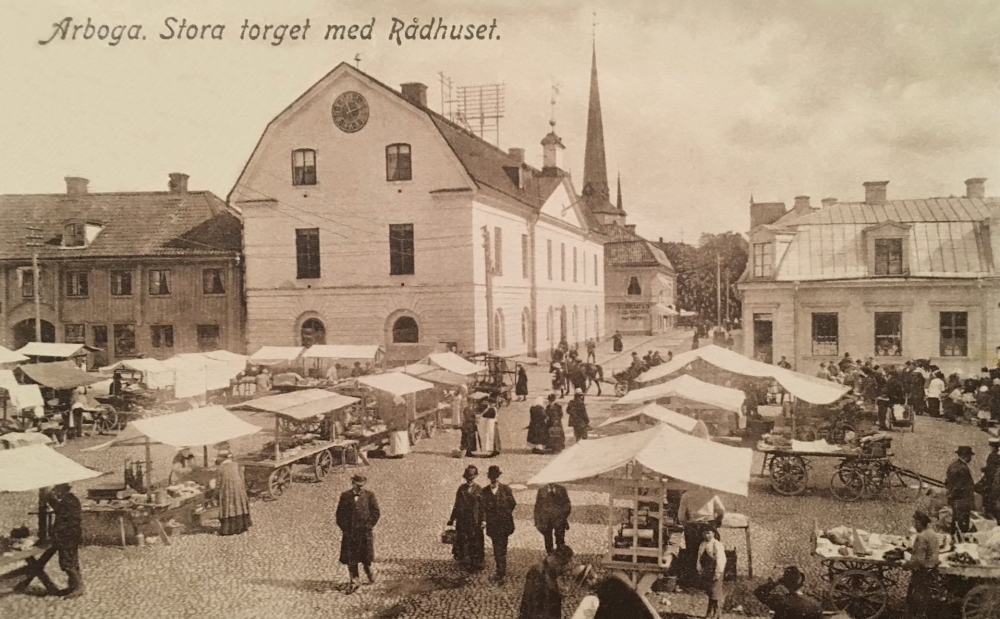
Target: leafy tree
column 696, row 272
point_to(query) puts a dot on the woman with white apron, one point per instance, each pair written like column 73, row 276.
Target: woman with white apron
column 399, row 437
column 490, row 437
column 457, row 406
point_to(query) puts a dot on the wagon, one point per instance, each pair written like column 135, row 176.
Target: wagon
column 498, row 380
column 860, row 586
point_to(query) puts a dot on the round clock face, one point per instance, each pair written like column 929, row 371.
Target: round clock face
column 350, row 111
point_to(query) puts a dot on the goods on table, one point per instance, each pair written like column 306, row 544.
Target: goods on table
column 20, row 538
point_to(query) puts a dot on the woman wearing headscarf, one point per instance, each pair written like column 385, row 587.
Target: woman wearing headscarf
column 234, row 507
column 468, row 517
column 521, row 384
column 538, row 431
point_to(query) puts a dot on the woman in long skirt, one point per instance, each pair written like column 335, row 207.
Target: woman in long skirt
column 489, row 434
column 468, row 517
column 470, row 435
column 521, row 385
column 234, row 507
column 556, row 432
column 538, row 431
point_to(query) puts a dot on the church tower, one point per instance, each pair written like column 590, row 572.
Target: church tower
column 596, row 191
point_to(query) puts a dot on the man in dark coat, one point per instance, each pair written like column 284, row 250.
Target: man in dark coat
column 987, row 485
column 498, row 511
column 542, row 598
column 961, row 489
column 552, row 509
column 357, row 515
column 66, row 535
column 467, row 516
column 576, row 410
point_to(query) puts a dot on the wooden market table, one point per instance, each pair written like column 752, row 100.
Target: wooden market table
column 119, row 522
column 35, row 559
column 274, row 473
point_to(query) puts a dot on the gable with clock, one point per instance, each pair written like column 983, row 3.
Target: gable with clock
column 350, row 111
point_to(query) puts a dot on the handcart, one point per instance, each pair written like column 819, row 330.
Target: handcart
column 498, row 380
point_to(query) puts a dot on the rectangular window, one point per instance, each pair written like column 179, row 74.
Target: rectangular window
column 398, row 163
column 548, row 248
column 211, row 282
column 888, row 256
column 28, row 283
column 121, row 283
column 307, row 253
column 100, row 336
column 401, row 249
column 888, row 334
column 954, row 329
column 159, row 283
column 75, row 334
column 825, row 335
column 762, row 259
column 124, row 340
column 76, row 284
column 304, row 166
column 208, row 338
column 162, row 336
column 497, row 251
column 562, row 261
column 525, row 257
column 595, row 270
column 574, row 265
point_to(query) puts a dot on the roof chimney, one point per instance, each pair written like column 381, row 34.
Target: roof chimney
column 829, row 202
column 76, row 186
column 178, row 183
column 661, row 240
column 415, row 92
column 802, row 202
column 875, row 192
column 975, row 188
column 516, row 153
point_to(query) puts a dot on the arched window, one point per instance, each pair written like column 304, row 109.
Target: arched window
column 313, row 332
column 405, row 331
column 498, row 334
column 633, row 286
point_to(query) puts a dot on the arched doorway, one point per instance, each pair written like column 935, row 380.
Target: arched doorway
column 405, row 331
column 313, row 331
column 24, row 332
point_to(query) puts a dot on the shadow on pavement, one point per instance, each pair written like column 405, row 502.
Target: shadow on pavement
column 308, row 586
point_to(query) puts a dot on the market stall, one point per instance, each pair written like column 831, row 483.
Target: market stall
column 305, row 434
column 23, row 555
column 496, row 377
column 396, row 402
column 652, row 414
column 38, row 352
column 58, row 381
column 320, row 357
column 9, row 358
column 643, row 473
column 721, row 408
column 433, row 406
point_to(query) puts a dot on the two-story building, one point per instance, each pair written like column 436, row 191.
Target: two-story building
column 889, row 279
column 369, row 218
column 130, row 273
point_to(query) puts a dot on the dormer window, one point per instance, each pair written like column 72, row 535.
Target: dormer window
column 763, row 259
column 74, row 235
column 888, row 256
column 887, row 249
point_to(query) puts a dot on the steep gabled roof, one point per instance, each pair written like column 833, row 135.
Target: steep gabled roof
column 624, row 248
column 132, row 224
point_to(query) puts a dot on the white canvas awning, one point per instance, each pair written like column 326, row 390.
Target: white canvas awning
column 662, row 449
column 25, row 396
column 343, row 352
column 196, row 374
column 9, row 356
column 419, row 369
column 659, row 414
column 156, row 373
column 38, row 466
column 688, row 313
column 194, row 428
column 812, row 389
column 14, row 440
column 454, row 363
column 664, row 310
column 7, row 379
column 301, row 404
column 271, row 355
column 395, row 383
column 689, row 388
column 54, row 350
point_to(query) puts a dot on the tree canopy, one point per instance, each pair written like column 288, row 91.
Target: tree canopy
column 696, row 273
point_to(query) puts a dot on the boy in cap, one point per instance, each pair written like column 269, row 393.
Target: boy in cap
column 961, row 489
column 498, row 511
column 357, row 515
column 794, row 604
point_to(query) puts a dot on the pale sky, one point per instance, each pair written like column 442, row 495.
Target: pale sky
column 705, row 101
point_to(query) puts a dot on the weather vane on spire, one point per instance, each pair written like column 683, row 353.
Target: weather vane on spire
column 593, row 32
column 552, row 101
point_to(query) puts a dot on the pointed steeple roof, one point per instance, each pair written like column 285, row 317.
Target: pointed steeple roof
column 596, row 189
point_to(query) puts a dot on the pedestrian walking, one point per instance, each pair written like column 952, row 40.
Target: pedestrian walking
column 576, row 410
column 66, row 535
column 616, row 341
column 467, row 517
column 556, row 433
column 470, row 432
column 498, row 511
column 490, row 435
column 521, row 384
column 961, row 489
column 591, row 350
column 542, row 598
column 558, row 380
column 711, row 561
column 357, row 515
column 989, row 484
column 694, row 342
column 538, row 431
column 552, row 510
column 234, row 506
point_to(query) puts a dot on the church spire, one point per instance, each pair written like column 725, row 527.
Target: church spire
column 595, row 167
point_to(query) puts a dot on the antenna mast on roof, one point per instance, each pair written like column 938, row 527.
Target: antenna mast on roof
column 478, row 109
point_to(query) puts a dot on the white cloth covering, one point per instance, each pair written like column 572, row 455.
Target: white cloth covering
column 487, row 434
column 399, row 443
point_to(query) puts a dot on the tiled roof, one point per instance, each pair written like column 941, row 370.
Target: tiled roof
column 624, row 248
column 946, row 238
column 133, row 224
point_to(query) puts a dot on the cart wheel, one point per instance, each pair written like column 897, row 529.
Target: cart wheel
column 847, row 484
column 621, row 389
column 860, row 593
column 414, row 433
column 322, row 463
column 108, row 420
column 904, row 486
column 788, row 475
column 278, row 481
column 981, row 602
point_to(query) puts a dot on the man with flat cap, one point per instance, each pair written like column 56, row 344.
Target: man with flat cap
column 961, row 489
column 498, row 511
column 357, row 515
column 794, row 604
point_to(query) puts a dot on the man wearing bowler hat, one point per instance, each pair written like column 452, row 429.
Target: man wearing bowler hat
column 357, row 515
column 498, row 510
column 961, row 489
